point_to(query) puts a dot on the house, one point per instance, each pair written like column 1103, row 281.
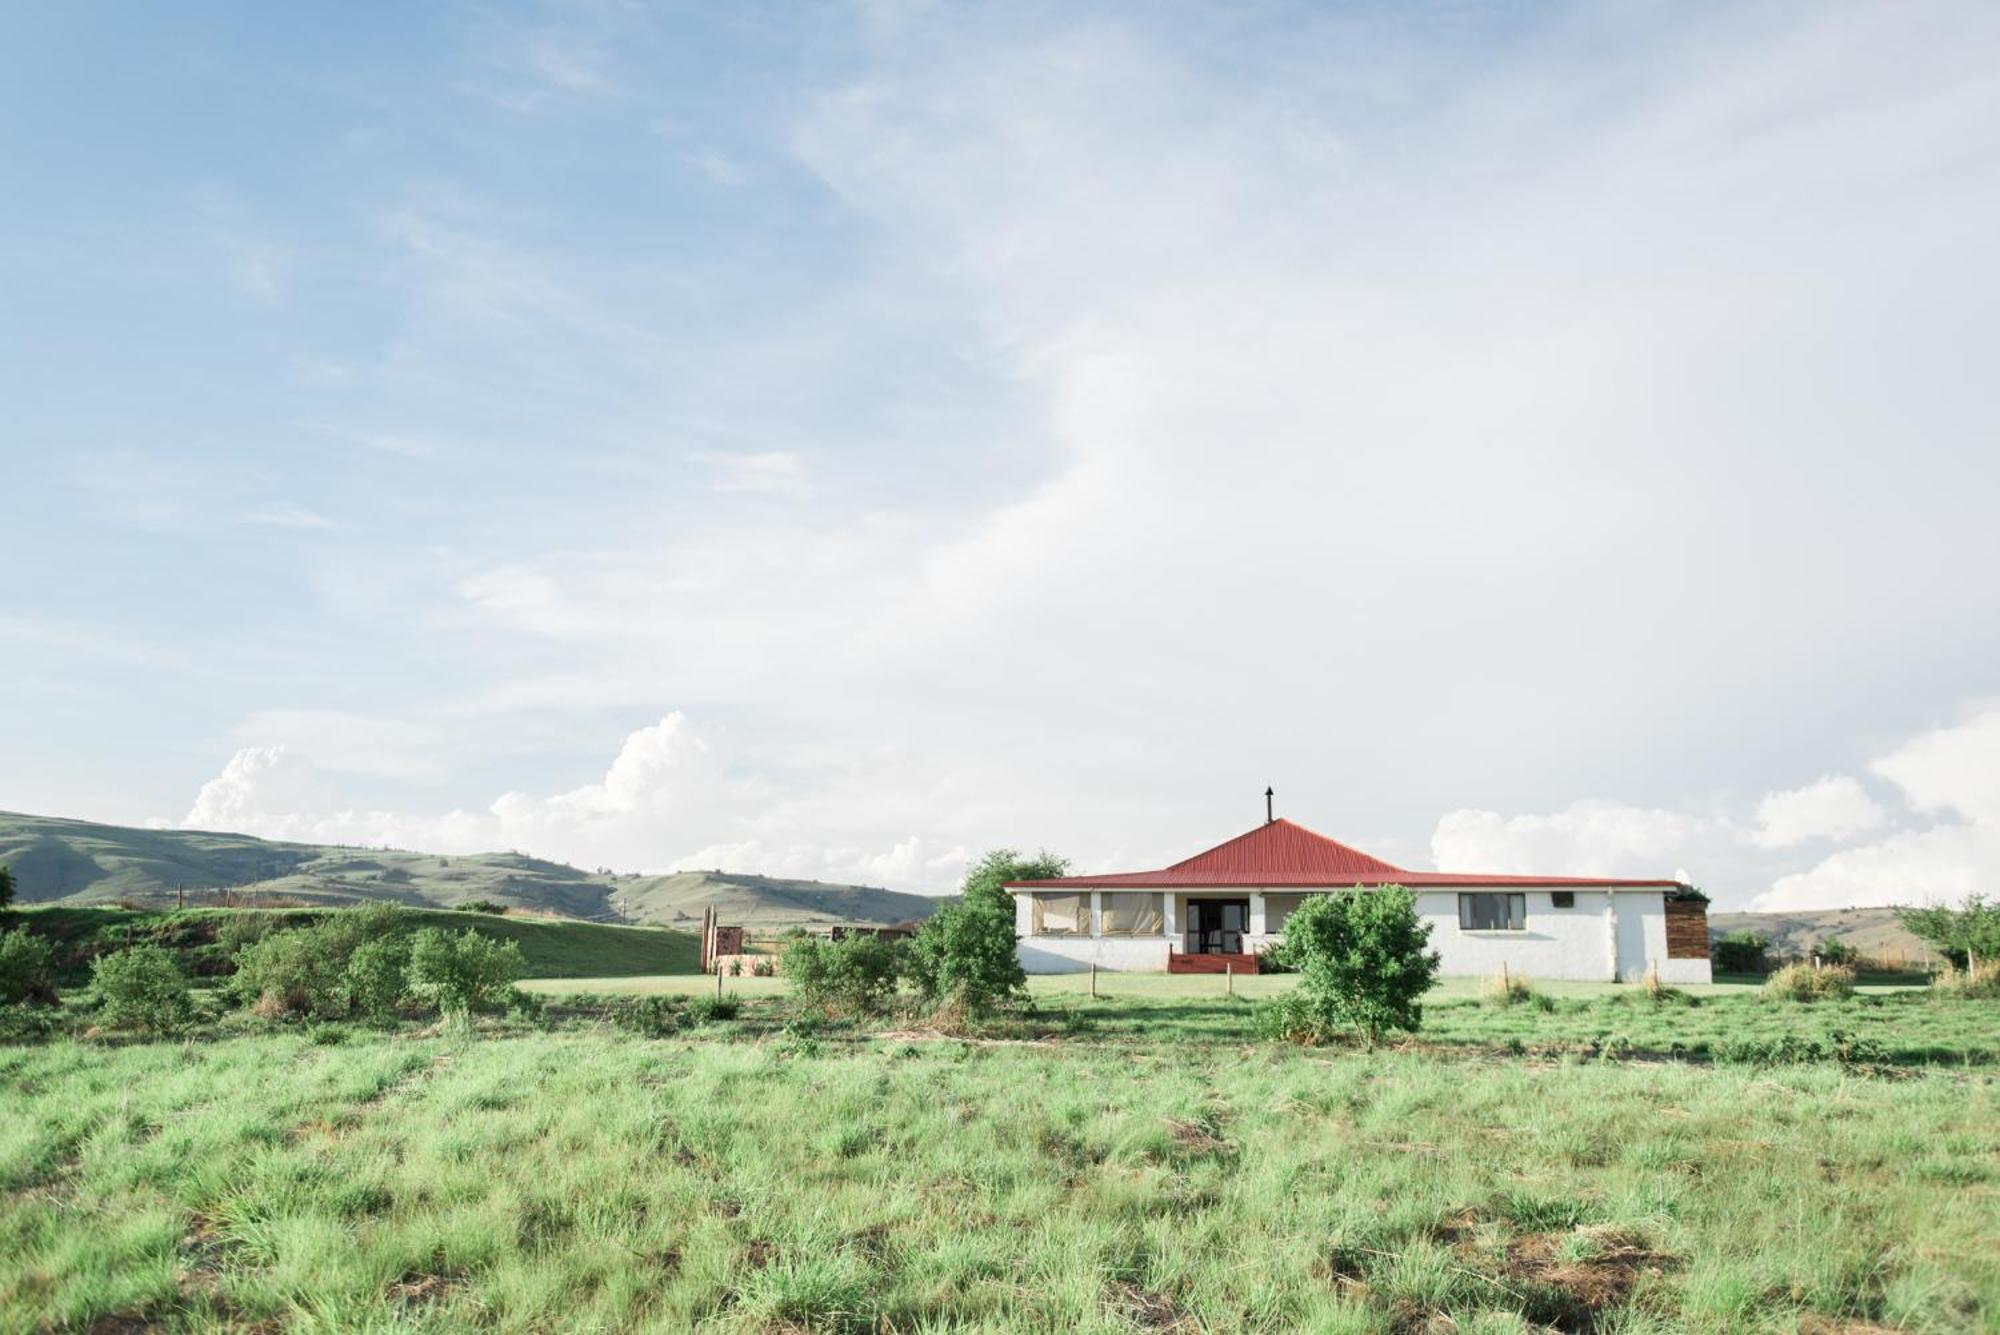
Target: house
column 1218, row 909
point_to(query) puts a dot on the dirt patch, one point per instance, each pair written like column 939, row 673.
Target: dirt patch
column 1572, row 1292
column 759, row 1253
column 1196, row 1138
column 1149, row 1310
column 1812, row 1324
column 418, row 1288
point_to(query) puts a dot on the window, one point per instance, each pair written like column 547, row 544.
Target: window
column 1492, row 913
column 1562, row 899
column 1062, row 915
column 1277, row 908
column 1132, row 914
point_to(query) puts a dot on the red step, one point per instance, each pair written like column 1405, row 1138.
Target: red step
column 1178, row 962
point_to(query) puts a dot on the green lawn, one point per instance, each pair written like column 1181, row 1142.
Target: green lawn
column 744, row 1180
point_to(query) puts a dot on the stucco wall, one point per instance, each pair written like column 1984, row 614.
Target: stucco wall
column 1580, row 943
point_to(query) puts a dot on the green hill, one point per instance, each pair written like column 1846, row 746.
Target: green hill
column 79, row 862
column 1874, row 932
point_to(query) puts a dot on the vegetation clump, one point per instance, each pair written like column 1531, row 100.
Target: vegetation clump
column 1363, row 963
column 1508, row 988
column 963, row 956
column 853, row 977
column 462, row 973
column 27, row 969
column 1741, row 952
column 1967, row 936
column 1804, row 982
column 142, row 988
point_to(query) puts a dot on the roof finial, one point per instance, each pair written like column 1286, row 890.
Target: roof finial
column 1268, row 817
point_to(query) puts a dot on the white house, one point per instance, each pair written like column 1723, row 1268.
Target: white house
column 1217, row 909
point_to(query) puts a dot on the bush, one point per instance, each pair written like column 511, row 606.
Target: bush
column 764, row 969
column 27, row 968
column 963, row 956
column 1802, row 982
column 462, row 973
column 240, row 928
column 1741, row 952
column 306, row 971
column 1362, row 961
column 1833, row 950
column 377, row 977
column 653, row 1017
column 141, row 987
column 6, row 885
column 1514, row 989
column 482, row 906
column 1965, row 985
column 708, row 1010
column 854, row 976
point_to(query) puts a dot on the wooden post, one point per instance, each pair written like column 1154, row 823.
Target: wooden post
column 1229, row 978
column 1505, row 982
column 718, row 980
column 1093, row 980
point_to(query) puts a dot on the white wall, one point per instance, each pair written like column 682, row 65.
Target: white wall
column 1579, row 943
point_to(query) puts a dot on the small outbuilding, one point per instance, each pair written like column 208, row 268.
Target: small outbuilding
column 1221, row 908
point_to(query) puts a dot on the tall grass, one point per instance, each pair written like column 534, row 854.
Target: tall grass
column 595, row 1180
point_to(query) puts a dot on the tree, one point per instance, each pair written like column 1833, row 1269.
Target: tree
column 27, row 968
column 1741, row 952
column 6, row 885
column 462, row 973
column 1969, row 935
column 964, row 953
column 1362, row 961
column 141, row 987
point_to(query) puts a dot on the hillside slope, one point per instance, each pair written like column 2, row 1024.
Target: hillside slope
column 1874, row 932
column 81, row 862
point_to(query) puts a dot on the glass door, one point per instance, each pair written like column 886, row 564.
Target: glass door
column 1216, row 926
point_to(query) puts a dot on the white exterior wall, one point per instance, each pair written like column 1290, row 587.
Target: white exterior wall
column 1581, row 943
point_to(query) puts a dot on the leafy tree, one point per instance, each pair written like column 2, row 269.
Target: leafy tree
column 1968, row 935
column 1362, row 961
column 27, row 968
column 6, row 885
column 1741, row 952
column 462, row 973
column 142, row 987
column 306, row 970
column 964, row 953
column 853, row 976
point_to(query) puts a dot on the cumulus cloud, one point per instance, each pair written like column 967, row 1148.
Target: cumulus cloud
column 661, row 805
column 1833, row 807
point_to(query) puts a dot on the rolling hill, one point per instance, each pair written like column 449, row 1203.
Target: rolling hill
column 1873, row 931
column 79, row 862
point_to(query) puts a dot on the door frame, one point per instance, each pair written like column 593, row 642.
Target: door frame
column 1196, row 933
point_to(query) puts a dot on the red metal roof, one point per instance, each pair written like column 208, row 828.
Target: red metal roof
column 1280, row 853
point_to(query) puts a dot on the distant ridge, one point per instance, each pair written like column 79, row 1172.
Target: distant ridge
column 56, row 860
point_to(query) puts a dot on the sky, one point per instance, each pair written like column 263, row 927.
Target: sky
column 834, row 440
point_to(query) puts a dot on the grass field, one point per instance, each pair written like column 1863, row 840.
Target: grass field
column 747, row 1181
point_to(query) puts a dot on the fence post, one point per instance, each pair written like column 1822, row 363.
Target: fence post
column 1229, row 978
column 1093, row 980
column 718, row 980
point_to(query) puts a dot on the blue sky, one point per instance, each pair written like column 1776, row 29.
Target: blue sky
column 836, row 439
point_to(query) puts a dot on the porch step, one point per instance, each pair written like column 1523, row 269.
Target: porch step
column 1183, row 963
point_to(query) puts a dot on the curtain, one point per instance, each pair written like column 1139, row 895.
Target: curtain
column 1062, row 915
column 1128, row 913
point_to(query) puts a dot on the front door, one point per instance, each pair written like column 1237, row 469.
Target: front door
column 1216, row 926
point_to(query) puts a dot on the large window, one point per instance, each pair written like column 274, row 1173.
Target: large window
column 1062, row 915
column 1128, row 913
column 1492, row 913
column 1277, row 908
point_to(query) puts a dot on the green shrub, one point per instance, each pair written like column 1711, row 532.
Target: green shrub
column 1833, row 950
column 708, row 1010
column 854, row 976
column 482, row 906
column 462, row 973
column 763, row 969
column 377, row 977
column 1741, row 952
column 27, row 969
column 1362, row 961
column 141, row 987
column 963, row 957
column 1803, row 982
column 306, row 971
column 653, row 1017
column 6, row 885
column 239, row 928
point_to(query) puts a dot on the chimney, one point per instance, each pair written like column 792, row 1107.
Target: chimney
column 1268, row 817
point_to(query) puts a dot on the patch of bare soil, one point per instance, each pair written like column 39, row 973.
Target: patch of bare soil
column 418, row 1288
column 1573, row 1293
column 1196, row 1138
column 1151, row 1311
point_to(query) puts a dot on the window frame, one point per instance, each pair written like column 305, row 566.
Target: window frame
column 1513, row 910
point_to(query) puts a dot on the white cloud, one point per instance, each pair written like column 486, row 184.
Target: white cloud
column 1588, row 838
column 667, row 801
column 1833, row 807
column 774, row 473
column 1953, row 769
